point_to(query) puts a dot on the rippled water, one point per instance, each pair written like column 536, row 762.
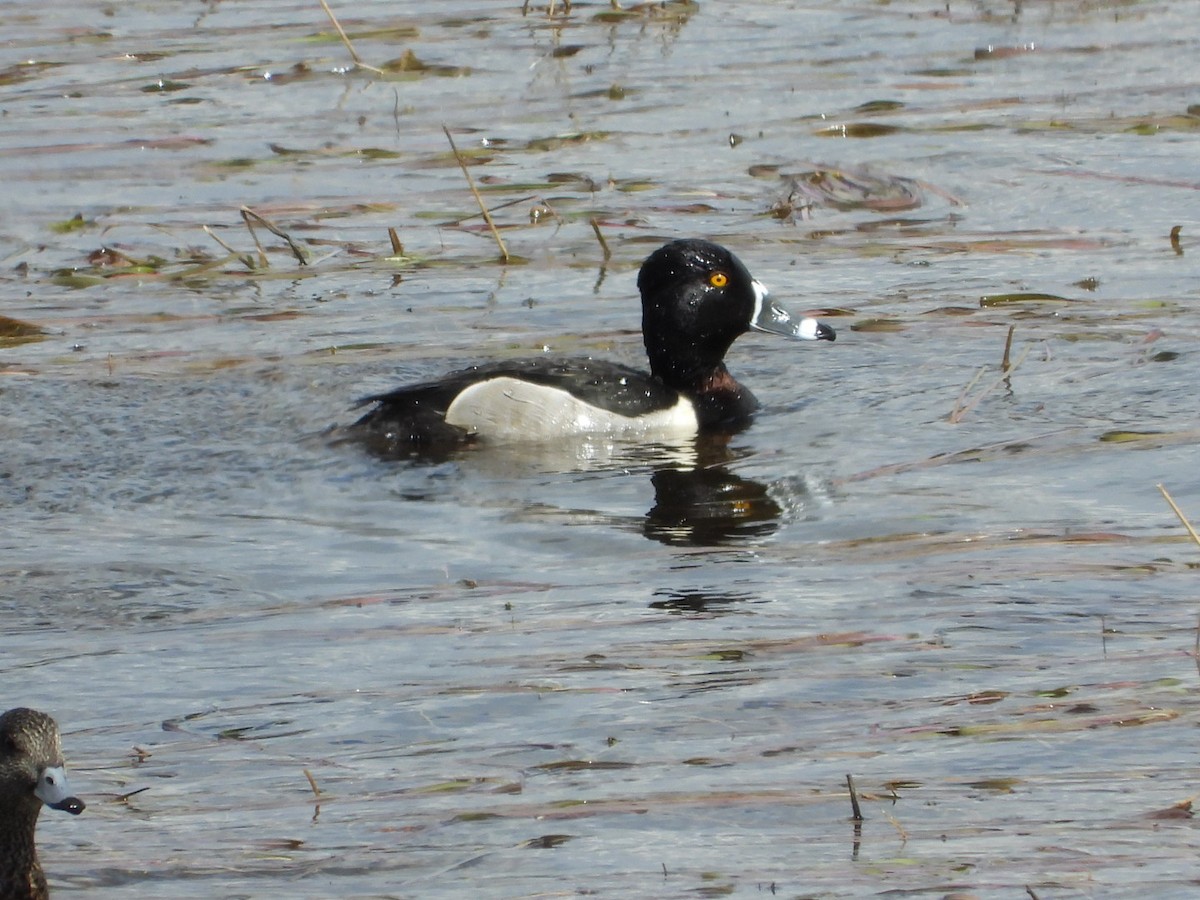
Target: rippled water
column 597, row 668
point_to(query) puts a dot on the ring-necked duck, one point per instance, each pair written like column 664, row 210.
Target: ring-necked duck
column 697, row 298
column 31, row 773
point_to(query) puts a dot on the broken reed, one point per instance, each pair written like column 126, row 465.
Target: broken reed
column 487, row 216
column 962, row 406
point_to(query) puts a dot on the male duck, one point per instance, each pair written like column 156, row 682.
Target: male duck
column 31, row 773
column 697, row 298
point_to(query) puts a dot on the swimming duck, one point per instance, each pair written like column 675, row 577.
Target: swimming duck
column 697, row 298
column 31, row 773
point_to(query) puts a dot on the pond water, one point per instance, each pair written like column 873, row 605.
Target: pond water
column 286, row 668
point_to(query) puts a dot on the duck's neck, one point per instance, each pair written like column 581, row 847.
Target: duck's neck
column 717, row 395
column 21, row 876
column 687, row 372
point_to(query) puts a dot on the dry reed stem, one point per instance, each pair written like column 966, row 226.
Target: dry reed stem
column 1196, row 648
column 312, row 783
column 1005, row 365
column 961, row 409
column 900, row 830
column 248, row 214
column 213, row 235
column 397, row 247
column 346, row 40
column 506, row 203
column 967, row 388
column 1179, row 513
column 600, row 238
column 487, row 216
column 854, row 807
column 263, row 262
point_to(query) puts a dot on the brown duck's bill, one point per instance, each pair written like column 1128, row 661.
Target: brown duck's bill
column 53, row 790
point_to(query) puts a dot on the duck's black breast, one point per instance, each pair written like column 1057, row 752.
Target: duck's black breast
column 529, row 399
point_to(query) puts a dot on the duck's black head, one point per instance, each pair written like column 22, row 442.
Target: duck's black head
column 697, row 298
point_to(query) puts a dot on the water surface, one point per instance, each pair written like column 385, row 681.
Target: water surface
column 597, row 668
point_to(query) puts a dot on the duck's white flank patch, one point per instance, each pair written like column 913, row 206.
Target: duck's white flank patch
column 510, row 409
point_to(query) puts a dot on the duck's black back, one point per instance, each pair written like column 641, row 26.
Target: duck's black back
column 416, row 414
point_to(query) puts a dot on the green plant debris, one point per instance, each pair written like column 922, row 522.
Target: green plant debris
column 237, row 162
column 557, row 142
column 373, row 153
column 19, row 72
column 76, row 223
column 986, row 697
column 1148, row 126
column 76, row 280
column 410, row 62
column 14, row 332
column 875, row 106
column 963, row 127
column 675, row 11
column 444, row 787
column 582, row 765
column 1055, row 693
column 990, row 52
column 988, row 301
column 12, row 328
column 475, row 817
column 944, row 72
column 1127, row 437
column 634, row 186
column 996, row 785
column 546, row 841
column 858, row 130
column 165, row 87
column 879, row 326
column 730, row 655
column 394, row 33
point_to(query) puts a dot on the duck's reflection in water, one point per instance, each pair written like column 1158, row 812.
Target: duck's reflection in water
column 703, row 503
column 698, row 499
column 709, row 506
column 700, row 601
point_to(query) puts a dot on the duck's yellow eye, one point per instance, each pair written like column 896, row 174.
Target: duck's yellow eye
column 718, row 279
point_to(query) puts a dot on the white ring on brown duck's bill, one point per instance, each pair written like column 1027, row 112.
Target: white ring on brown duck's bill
column 772, row 318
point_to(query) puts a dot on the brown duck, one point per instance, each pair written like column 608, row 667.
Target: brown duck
column 31, row 773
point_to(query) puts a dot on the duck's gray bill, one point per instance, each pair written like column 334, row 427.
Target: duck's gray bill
column 774, row 319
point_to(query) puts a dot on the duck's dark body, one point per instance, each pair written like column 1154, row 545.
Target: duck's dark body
column 697, row 298
column 621, row 399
